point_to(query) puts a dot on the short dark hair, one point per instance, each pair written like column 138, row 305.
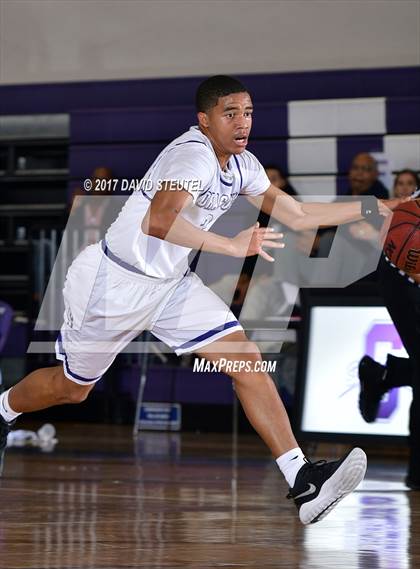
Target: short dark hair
column 210, row 90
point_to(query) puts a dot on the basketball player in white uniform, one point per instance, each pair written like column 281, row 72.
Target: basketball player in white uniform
column 137, row 278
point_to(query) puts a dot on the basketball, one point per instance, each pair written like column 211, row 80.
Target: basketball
column 402, row 243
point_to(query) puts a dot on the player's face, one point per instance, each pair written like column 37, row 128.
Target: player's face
column 404, row 186
column 228, row 124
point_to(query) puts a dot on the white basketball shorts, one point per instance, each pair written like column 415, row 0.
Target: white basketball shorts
column 108, row 303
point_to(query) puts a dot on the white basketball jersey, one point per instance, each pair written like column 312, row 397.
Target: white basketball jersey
column 189, row 161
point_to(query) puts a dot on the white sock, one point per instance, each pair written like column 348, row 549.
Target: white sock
column 290, row 463
column 5, row 410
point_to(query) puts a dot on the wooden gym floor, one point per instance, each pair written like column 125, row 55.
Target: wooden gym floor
column 99, row 501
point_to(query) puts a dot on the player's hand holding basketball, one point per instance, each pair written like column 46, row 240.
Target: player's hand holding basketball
column 254, row 240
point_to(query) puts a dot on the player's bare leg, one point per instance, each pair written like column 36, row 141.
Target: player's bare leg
column 256, row 392
column 44, row 388
column 315, row 487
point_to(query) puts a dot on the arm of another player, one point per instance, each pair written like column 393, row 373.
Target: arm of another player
column 163, row 220
column 301, row 216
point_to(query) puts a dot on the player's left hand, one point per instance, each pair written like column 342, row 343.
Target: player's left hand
column 254, row 240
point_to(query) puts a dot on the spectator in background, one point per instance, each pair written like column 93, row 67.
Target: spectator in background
column 363, row 177
column 262, row 296
column 406, row 182
column 95, row 214
column 279, row 178
column 99, row 173
column 232, row 289
column 363, row 181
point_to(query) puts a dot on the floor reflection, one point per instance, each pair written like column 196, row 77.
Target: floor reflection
column 371, row 531
column 176, row 502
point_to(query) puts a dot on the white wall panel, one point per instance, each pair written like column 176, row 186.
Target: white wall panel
column 313, row 186
column 403, row 151
column 337, row 117
column 312, row 155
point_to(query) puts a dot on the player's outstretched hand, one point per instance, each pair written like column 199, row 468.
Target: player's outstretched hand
column 254, row 240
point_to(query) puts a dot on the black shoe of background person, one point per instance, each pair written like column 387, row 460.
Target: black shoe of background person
column 412, row 479
column 371, row 376
column 4, row 431
column 412, row 483
column 321, row 485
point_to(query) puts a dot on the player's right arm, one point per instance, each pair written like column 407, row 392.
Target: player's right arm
column 164, row 220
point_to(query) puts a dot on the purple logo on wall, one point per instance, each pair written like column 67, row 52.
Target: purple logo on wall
column 379, row 333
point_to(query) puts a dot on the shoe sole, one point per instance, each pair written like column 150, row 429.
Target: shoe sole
column 344, row 480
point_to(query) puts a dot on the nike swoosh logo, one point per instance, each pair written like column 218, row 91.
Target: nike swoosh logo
column 311, row 490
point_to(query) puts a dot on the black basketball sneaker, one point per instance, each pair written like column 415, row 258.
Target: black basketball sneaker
column 321, row 485
column 371, row 375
